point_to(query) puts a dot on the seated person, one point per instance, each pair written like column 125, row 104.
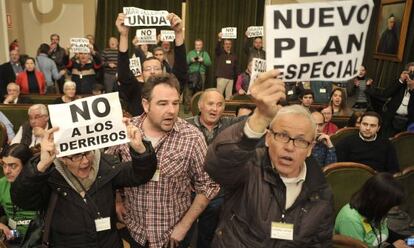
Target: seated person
column 8, row 125
column 355, row 119
column 244, row 110
column 98, row 89
column 13, row 95
column 13, row 160
column 306, row 99
column 31, row 132
column 31, row 80
column 243, row 79
column 329, row 127
column 364, row 217
column 323, row 150
column 367, row 147
column 338, row 103
column 69, row 93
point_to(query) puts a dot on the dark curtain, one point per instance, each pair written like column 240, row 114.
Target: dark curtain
column 108, row 10
column 205, row 18
column 385, row 72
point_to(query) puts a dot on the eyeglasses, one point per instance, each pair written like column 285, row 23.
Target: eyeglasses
column 78, row 157
column 12, row 166
column 152, row 68
column 285, row 138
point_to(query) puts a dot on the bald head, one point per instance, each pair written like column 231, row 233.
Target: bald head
column 211, row 105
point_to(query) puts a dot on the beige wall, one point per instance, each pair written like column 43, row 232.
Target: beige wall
column 35, row 20
column 3, row 33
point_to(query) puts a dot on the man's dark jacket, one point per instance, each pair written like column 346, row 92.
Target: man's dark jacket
column 256, row 196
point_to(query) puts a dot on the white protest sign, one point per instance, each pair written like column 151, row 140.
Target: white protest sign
column 87, row 124
column 255, row 31
column 229, row 33
column 167, row 35
column 258, row 66
column 135, row 66
column 79, row 45
column 142, row 17
column 322, row 41
column 146, row 36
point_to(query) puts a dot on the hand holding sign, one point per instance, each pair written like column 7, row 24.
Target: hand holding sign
column 47, row 150
column 177, row 26
column 119, row 23
column 267, row 92
column 134, row 136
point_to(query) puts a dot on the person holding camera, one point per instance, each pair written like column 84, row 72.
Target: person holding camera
column 198, row 61
column 323, row 150
column 398, row 112
column 13, row 159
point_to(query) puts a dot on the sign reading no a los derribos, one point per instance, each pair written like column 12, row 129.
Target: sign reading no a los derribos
column 317, row 41
column 89, row 123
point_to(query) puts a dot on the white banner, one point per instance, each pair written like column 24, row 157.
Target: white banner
column 87, row 124
column 135, row 66
column 229, row 33
column 167, row 35
column 142, row 17
column 255, row 31
column 79, row 45
column 322, row 41
column 146, row 36
column 258, row 66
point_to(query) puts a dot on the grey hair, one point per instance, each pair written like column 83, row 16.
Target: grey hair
column 296, row 109
column 205, row 93
column 407, row 66
column 68, row 84
column 41, row 107
column 13, row 84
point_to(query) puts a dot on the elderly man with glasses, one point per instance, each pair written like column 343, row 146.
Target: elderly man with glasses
column 31, row 132
column 277, row 195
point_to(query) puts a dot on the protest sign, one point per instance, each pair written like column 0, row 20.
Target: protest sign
column 258, row 66
column 142, row 17
column 322, row 41
column 229, row 33
column 87, row 124
column 79, row 45
column 135, row 66
column 167, row 35
column 254, row 31
column 146, row 36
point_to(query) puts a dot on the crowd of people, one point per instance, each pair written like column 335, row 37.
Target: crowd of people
column 250, row 180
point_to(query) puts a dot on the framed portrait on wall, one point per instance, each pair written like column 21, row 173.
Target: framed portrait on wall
column 392, row 27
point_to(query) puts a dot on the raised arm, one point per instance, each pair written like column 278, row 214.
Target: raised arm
column 228, row 156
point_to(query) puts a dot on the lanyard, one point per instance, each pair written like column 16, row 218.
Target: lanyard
column 378, row 238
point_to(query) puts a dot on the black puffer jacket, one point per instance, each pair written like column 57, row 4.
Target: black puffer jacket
column 73, row 221
column 256, row 192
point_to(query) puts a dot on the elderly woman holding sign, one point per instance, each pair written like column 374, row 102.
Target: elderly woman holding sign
column 79, row 190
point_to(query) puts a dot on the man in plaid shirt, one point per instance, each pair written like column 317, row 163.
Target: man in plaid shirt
column 160, row 212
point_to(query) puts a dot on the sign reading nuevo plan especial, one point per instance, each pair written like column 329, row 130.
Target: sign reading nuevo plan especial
column 317, row 41
column 88, row 123
column 79, row 45
column 142, row 17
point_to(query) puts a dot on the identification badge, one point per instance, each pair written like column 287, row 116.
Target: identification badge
column 156, row 176
column 12, row 223
column 228, row 61
column 281, row 231
column 80, row 76
column 103, row 224
column 290, row 92
column 322, row 90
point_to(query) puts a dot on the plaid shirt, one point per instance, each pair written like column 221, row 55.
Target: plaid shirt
column 153, row 209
